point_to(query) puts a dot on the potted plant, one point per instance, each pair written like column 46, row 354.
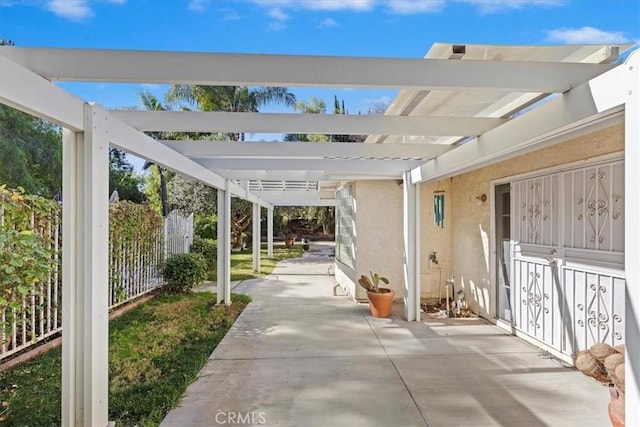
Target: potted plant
column 380, row 299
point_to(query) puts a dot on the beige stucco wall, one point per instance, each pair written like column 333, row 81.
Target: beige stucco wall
column 463, row 245
column 434, row 238
column 471, row 220
column 379, row 233
column 379, row 244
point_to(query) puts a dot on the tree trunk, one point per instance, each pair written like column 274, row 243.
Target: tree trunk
column 163, row 192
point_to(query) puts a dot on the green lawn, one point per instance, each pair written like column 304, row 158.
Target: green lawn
column 242, row 262
column 155, row 351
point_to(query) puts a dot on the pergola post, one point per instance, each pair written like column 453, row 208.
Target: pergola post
column 85, row 260
column 270, row 233
column 224, row 246
column 411, row 233
column 632, row 241
column 255, row 247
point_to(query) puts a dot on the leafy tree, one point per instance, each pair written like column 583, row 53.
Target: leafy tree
column 322, row 216
column 314, row 106
column 152, row 189
column 188, row 195
column 123, row 178
column 318, row 106
column 232, row 99
column 30, row 153
column 241, row 218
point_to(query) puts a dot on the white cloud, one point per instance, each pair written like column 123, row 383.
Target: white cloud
column 492, row 6
column 402, row 7
column 330, row 5
column 276, row 26
column 408, row 7
column 586, row 35
column 231, row 16
column 197, row 5
column 277, row 14
column 75, row 10
column 328, row 23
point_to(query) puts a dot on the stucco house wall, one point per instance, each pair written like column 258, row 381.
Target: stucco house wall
column 462, row 246
column 434, row 238
column 471, row 219
column 378, row 236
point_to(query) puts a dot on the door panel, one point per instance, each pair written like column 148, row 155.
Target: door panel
column 595, row 308
column 503, row 250
column 567, row 257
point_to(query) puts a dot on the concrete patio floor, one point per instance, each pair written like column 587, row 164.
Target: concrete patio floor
column 300, row 356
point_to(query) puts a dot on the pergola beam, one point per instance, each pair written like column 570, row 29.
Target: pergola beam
column 302, row 202
column 85, row 265
column 223, row 292
column 566, row 113
column 255, row 235
column 135, row 142
column 220, row 121
column 295, row 194
column 289, row 175
column 205, row 149
column 342, row 165
column 228, row 69
column 26, row 91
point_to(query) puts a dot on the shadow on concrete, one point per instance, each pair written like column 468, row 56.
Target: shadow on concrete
column 302, row 356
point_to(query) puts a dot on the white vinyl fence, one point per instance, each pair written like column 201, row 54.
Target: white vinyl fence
column 40, row 315
column 136, row 270
column 178, row 233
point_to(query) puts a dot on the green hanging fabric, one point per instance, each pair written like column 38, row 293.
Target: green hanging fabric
column 438, row 210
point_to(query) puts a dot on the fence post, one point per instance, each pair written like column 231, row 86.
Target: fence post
column 189, row 232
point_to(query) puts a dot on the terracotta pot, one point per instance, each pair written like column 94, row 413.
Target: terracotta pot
column 380, row 304
column 616, row 407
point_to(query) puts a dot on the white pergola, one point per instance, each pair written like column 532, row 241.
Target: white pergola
column 459, row 108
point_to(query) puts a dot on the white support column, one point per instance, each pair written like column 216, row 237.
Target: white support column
column 270, row 233
column 255, row 247
column 224, row 246
column 632, row 241
column 411, row 233
column 85, row 236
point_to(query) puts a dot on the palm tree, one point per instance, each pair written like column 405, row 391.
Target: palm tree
column 150, row 102
column 231, row 98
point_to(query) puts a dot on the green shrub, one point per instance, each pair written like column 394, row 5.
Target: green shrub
column 208, row 249
column 27, row 255
column 206, row 226
column 183, row 271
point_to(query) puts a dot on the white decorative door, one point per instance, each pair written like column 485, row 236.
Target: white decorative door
column 568, row 257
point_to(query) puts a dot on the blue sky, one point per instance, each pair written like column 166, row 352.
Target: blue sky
column 392, row 28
